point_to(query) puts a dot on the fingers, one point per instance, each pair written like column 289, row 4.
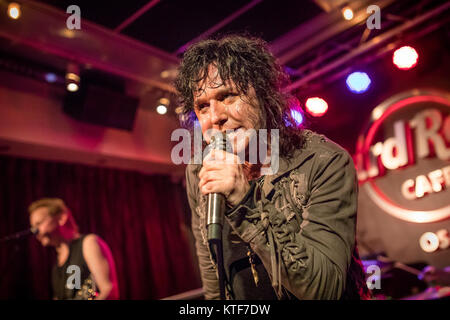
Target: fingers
column 215, row 179
column 208, row 172
column 206, row 176
column 222, row 173
column 215, row 167
column 217, row 186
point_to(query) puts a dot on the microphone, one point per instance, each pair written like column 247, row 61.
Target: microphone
column 20, row 234
column 215, row 213
column 216, row 201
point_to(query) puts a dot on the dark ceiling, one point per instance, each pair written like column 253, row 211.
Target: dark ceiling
column 170, row 24
column 305, row 35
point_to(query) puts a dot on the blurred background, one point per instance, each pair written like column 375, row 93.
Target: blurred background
column 87, row 112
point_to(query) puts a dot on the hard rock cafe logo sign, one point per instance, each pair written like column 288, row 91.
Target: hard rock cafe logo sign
column 403, row 156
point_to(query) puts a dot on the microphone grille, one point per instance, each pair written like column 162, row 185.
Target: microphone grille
column 219, row 141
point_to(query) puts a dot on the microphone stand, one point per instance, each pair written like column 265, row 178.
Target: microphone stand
column 12, row 255
column 18, row 235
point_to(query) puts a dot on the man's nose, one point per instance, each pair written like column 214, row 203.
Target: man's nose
column 218, row 113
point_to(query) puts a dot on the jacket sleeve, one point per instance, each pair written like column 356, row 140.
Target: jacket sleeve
column 308, row 256
column 208, row 272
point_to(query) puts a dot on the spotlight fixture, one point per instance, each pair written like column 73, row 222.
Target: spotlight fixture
column 163, row 103
column 169, row 74
column 51, row 77
column 73, row 77
column 297, row 116
column 316, row 106
column 14, row 10
column 347, row 13
column 161, row 109
column 358, row 82
column 405, row 58
column 295, row 113
column 72, row 87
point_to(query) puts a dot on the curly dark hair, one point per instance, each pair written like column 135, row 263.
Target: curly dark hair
column 247, row 62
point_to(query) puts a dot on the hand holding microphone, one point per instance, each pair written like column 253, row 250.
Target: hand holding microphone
column 223, row 180
column 216, row 201
column 222, row 172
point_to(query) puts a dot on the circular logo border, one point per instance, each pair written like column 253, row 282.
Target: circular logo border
column 378, row 115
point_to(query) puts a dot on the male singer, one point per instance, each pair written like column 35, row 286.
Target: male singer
column 286, row 235
column 78, row 255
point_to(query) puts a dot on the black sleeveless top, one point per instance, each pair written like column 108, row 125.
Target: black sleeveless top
column 60, row 275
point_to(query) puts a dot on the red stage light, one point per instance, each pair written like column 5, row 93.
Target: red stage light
column 317, row 107
column 405, row 58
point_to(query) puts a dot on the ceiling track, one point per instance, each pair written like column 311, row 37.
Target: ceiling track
column 367, row 47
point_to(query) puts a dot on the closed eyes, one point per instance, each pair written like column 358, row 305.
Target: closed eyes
column 226, row 97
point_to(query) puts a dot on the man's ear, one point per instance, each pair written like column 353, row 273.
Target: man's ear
column 62, row 219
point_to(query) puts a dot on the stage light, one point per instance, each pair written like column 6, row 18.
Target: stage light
column 377, row 113
column 51, row 77
column 297, row 116
column 405, row 58
column 169, row 74
column 72, row 87
column 161, row 109
column 165, row 74
column 347, row 13
column 316, row 106
column 358, row 82
column 72, row 82
column 72, row 77
column 14, row 10
column 163, row 103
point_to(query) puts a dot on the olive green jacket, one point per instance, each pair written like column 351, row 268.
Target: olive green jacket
column 300, row 222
